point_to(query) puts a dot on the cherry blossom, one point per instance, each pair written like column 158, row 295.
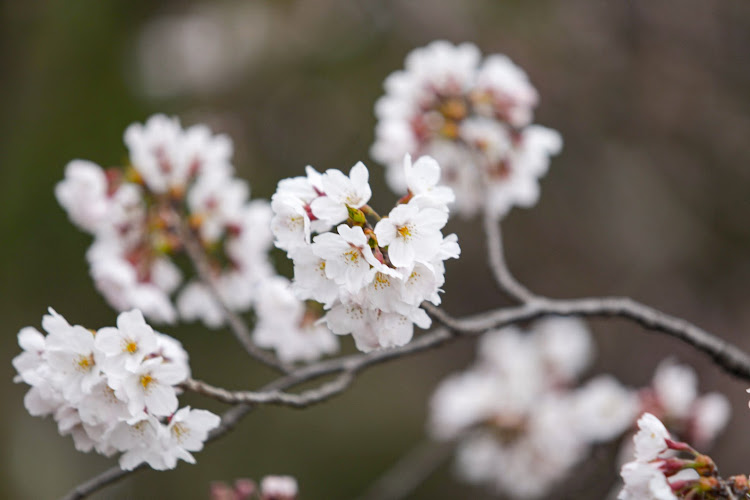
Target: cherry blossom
column 474, row 117
column 180, row 181
column 370, row 273
column 289, row 326
column 109, row 389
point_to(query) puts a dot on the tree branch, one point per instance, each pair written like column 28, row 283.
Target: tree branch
column 238, row 327
column 302, row 400
column 504, row 280
column 729, row 357
column 409, row 471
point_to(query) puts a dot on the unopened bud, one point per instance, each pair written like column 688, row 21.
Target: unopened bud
column 704, row 465
column 356, row 216
column 707, row 484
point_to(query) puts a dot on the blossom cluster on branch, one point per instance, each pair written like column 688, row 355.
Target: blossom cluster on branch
column 522, row 424
column 664, row 469
column 474, row 119
column 113, row 389
column 176, row 177
column 371, row 279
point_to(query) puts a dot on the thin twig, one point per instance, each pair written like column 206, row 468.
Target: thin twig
column 302, row 400
column 504, row 279
column 409, row 471
column 727, row 356
column 239, row 328
column 109, row 476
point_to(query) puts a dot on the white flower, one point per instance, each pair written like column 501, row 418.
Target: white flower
column 290, row 223
column 126, row 346
column 423, row 283
column 528, row 161
column 71, row 354
column 422, row 178
column 650, row 440
column 142, row 440
column 117, row 280
column 676, row 388
column 251, row 239
column 605, row 409
column 83, row 194
column 374, row 329
column 284, row 325
column 565, row 345
column 509, row 89
column 310, row 280
column 396, row 329
column 411, row 234
column 29, row 363
column 167, row 156
column 197, row 302
column 460, row 402
column 450, row 68
column 536, row 452
column 102, row 406
column 278, row 488
column 342, row 192
column 347, row 255
column 171, row 350
column 186, row 432
column 151, row 386
column 643, row 481
column 710, row 415
column 345, row 318
column 215, row 200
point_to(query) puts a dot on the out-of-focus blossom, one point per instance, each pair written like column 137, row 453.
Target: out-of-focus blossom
column 520, row 426
column 474, row 117
column 180, row 182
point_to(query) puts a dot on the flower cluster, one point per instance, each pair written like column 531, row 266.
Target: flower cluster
column 271, row 488
column 517, row 409
column 113, row 390
column 673, row 399
column 370, row 279
column 289, row 326
column 659, row 473
column 180, row 182
column 519, row 426
column 475, row 119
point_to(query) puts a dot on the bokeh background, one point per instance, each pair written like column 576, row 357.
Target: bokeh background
column 650, row 197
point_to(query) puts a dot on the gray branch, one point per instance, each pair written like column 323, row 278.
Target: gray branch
column 238, row 327
column 504, row 279
column 409, row 471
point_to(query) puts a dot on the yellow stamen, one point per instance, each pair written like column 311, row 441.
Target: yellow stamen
column 179, row 431
column 86, row 362
column 453, row 109
column 404, row 231
column 146, row 380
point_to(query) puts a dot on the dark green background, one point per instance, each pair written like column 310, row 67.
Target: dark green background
column 650, row 198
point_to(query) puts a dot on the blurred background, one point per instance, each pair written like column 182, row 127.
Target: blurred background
column 650, row 197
